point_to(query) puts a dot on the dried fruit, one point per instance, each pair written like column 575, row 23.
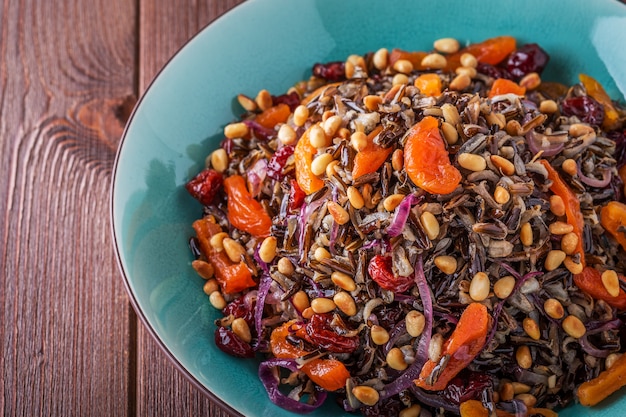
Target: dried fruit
column 244, row 212
column 380, row 270
column 204, row 186
column 526, row 59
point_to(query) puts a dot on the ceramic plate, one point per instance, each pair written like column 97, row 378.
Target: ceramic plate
column 272, row 44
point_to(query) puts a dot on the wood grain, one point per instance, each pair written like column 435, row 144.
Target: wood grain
column 165, row 27
column 67, row 76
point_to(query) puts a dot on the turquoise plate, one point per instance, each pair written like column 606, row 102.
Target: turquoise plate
column 272, row 44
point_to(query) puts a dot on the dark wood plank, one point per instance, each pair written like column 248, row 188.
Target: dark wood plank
column 66, row 84
column 164, row 27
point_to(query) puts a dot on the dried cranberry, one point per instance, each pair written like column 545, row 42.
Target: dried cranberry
column 380, row 270
column 585, row 108
column 328, row 331
column 296, row 196
column 331, row 71
column 239, row 308
column 468, row 386
column 230, row 343
column 292, row 100
column 526, row 59
column 493, row 72
column 278, row 161
column 204, row 186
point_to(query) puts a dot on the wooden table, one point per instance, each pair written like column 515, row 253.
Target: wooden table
column 70, row 74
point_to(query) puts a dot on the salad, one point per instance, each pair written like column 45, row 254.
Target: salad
column 422, row 233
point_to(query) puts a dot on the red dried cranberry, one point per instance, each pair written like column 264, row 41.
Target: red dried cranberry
column 526, row 59
column 278, row 161
column 327, row 332
column 585, row 108
column 240, row 309
column 230, row 343
column 493, row 72
column 204, row 186
column 331, row 71
column 292, row 100
column 296, row 196
column 380, row 270
column 468, row 386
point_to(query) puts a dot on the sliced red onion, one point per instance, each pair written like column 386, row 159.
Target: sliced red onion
column 259, row 131
column 514, row 406
column 256, row 176
column 305, row 212
column 596, row 183
column 264, row 265
column 398, row 330
column 531, row 141
column 264, row 287
column 434, row 400
column 593, row 350
column 271, row 382
column 401, row 215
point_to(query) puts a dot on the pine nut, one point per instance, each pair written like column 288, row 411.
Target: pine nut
column 381, row 59
column 241, row 329
column 415, row 323
column 573, row 326
column 331, row 125
column 469, row 71
column 531, row 328
column 548, row 106
column 217, row 300
column 468, row 60
column 579, row 129
column 320, row 162
column 610, row 360
column 397, row 160
column 358, row 140
column 210, row 286
column 300, row 115
column 496, row 119
column 434, row 61
column 340, row 215
column 203, row 268
column 506, row 392
column 451, row 114
column 286, row 134
column 523, row 357
column 557, row 207
column 435, row 348
column 569, row 243
column 403, row 66
column 501, row 195
column 554, row 308
column 372, row 102
column 520, row 388
column 611, row 282
column 236, row 130
column 505, row 166
column 573, row 267
column 317, row 137
column 450, row 134
column 430, row 225
column 366, row 395
column 343, row 281
column 307, row 313
column 460, row 82
column 554, row 259
column 345, row 303
column 246, row 102
column 446, row 264
column 446, row 45
column 504, row 287
column 472, row 162
column 285, row 267
column 331, row 168
column 300, row 301
column 390, row 203
column 233, row 249
column 355, row 198
column 217, row 241
column 399, row 79
column 529, row 400
column 570, row 167
column 395, row 359
column 267, row 250
column 526, row 234
column 264, row 100
column 322, row 305
column 530, row 81
column 219, row 160
column 321, row 253
column 479, row 287
column 379, row 335
column 412, row 411
column 560, row 228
